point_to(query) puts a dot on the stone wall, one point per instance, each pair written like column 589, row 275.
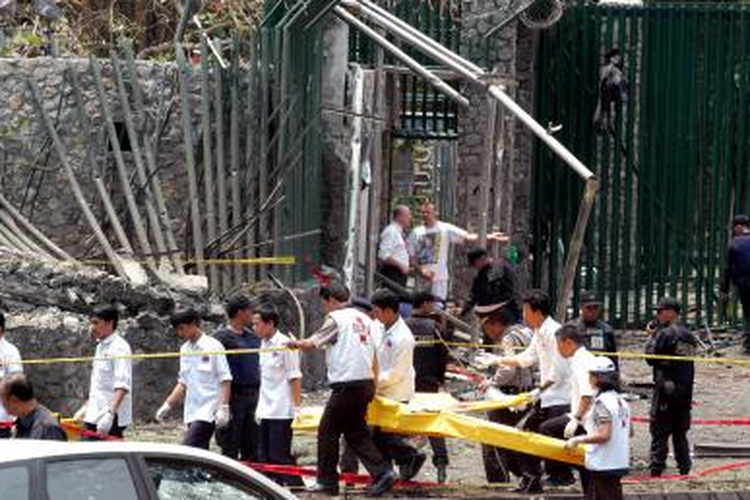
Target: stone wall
column 47, row 307
column 32, row 175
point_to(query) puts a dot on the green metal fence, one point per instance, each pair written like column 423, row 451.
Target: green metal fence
column 674, row 167
column 291, row 59
column 424, row 113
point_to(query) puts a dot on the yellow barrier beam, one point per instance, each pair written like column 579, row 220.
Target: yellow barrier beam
column 398, row 418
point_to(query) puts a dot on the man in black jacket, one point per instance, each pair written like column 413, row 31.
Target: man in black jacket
column 494, row 283
column 738, row 272
column 673, row 387
column 430, row 361
column 33, row 421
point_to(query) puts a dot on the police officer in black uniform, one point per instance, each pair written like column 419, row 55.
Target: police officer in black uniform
column 673, row 386
column 738, row 272
column 596, row 335
column 430, row 363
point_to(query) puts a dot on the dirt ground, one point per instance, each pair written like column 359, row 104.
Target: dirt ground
column 721, row 392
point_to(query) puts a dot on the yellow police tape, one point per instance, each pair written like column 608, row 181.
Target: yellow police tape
column 282, row 260
column 437, row 415
column 231, row 352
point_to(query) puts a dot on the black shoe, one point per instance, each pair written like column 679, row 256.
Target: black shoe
column 442, row 474
column 382, row 484
column 560, row 481
column 530, row 485
column 408, row 471
column 323, row 489
column 522, row 485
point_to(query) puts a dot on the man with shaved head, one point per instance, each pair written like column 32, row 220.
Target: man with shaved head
column 393, row 254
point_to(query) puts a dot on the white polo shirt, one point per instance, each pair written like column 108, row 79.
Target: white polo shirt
column 393, row 244
column 552, row 366
column 9, row 363
column 110, row 373
column 396, row 363
column 202, row 376
column 277, row 370
column 614, row 455
column 580, row 385
column 350, row 345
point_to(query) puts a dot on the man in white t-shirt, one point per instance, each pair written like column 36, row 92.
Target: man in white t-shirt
column 430, row 249
column 570, row 346
column 554, row 374
column 10, row 363
column 204, row 382
column 280, row 393
column 393, row 253
column 396, row 378
column 348, row 336
column 109, row 407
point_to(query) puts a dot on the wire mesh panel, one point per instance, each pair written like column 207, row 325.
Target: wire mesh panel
column 668, row 140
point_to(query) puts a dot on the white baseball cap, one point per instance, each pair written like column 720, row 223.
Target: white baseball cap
column 602, row 364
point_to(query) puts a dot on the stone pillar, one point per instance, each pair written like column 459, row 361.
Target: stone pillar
column 500, row 57
column 335, row 141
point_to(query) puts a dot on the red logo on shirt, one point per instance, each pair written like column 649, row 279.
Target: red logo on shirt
column 360, row 328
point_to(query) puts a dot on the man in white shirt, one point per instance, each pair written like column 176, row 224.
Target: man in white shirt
column 430, row 249
column 570, row 346
column 280, row 393
column 109, row 408
column 554, row 374
column 351, row 358
column 10, row 363
column 204, row 382
column 395, row 378
column 393, row 253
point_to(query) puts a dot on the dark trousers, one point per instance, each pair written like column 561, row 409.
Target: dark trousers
column 115, row 431
column 437, row 443
column 555, row 427
column 669, row 420
column 394, row 274
column 531, row 465
column 394, row 447
column 276, row 448
column 603, row 486
column 500, row 463
column 743, row 290
column 198, row 434
column 239, row 439
column 345, row 414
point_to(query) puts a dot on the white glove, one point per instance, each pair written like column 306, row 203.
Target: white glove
column 222, row 417
column 162, row 412
column 486, row 360
column 80, row 414
column 104, row 424
column 571, row 428
column 573, row 442
column 535, row 395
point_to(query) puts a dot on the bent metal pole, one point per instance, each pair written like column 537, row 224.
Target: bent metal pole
column 466, row 68
column 402, row 56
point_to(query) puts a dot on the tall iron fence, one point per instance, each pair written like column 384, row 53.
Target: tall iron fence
column 673, row 159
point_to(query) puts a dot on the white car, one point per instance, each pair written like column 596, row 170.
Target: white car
column 51, row 470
